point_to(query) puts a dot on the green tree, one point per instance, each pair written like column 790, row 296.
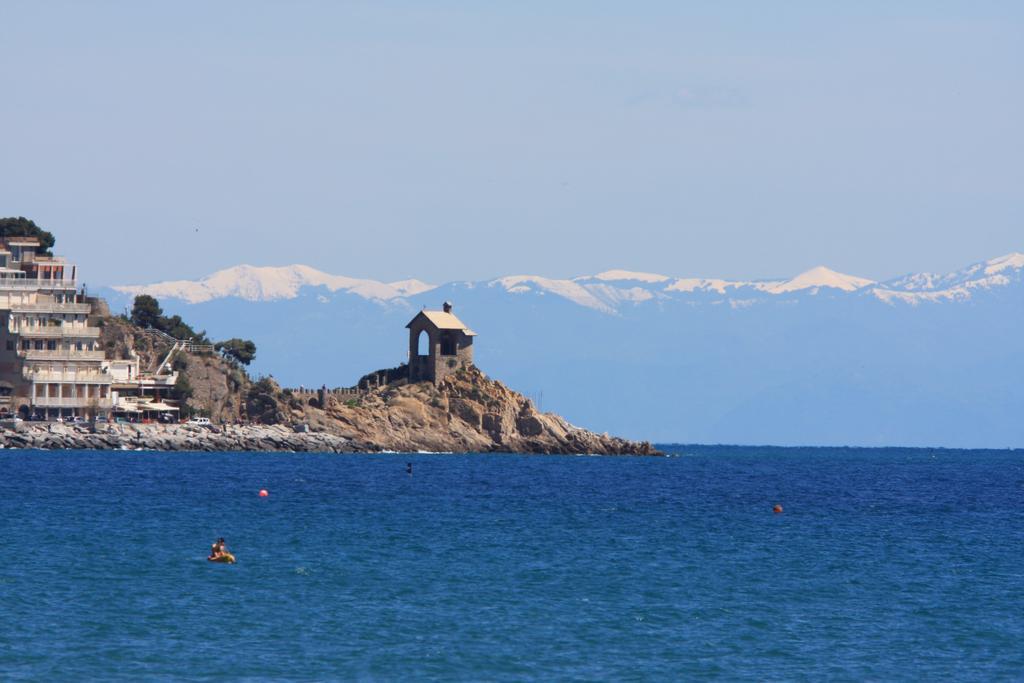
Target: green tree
column 240, row 350
column 146, row 312
column 23, row 227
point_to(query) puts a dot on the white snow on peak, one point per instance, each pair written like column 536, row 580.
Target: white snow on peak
column 693, row 284
column 890, row 296
column 567, row 289
column 821, row 277
column 411, row 287
column 615, row 295
column 615, row 275
column 268, row 283
column 958, row 286
column 1014, row 260
column 815, row 278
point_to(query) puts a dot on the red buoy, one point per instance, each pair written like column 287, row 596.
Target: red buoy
column 264, row 493
column 777, row 509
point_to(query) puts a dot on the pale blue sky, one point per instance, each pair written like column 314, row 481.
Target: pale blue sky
column 469, row 140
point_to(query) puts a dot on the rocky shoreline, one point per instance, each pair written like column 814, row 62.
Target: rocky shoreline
column 184, row 437
column 156, row 437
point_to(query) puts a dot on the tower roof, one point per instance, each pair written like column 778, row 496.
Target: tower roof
column 444, row 321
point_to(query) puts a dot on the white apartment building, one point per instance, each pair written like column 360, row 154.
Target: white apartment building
column 51, row 362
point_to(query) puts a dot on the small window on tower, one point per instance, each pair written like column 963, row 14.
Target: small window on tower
column 447, row 344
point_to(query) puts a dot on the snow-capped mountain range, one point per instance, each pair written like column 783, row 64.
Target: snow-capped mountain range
column 606, row 291
column 268, row 283
column 821, row 358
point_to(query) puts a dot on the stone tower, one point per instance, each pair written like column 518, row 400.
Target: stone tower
column 449, row 345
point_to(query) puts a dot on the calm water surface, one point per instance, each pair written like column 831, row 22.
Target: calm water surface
column 886, row 564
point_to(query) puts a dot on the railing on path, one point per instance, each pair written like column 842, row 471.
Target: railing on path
column 367, row 384
column 186, row 344
column 339, row 391
column 340, row 394
column 176, row 345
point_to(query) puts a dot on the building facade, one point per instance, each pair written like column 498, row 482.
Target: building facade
column 439, row 345
column 142, row 396
column 51, row 363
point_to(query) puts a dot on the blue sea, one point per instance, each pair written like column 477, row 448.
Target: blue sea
column 885, row 564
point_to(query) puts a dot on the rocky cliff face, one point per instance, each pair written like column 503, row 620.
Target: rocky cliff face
column 119, row 339
column 218, row 389
column 466, row 412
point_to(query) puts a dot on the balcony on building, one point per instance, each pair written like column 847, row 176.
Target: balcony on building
column 89, row 375
column 60, row 354
column 58, row 332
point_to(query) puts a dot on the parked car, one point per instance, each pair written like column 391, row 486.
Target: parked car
column 199, row 421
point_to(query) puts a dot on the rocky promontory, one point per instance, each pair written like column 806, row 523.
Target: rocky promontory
column 464, row 413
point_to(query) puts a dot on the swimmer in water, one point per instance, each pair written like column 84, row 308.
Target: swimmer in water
column 217, row 550
column 408, row 468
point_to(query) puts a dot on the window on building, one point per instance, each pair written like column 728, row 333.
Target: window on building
column 51, row 344
column 25, row 344
column 39, row 345
column 10, row 344
column 447, row 344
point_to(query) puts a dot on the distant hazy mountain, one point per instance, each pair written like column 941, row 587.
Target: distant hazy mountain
column 820, row 358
